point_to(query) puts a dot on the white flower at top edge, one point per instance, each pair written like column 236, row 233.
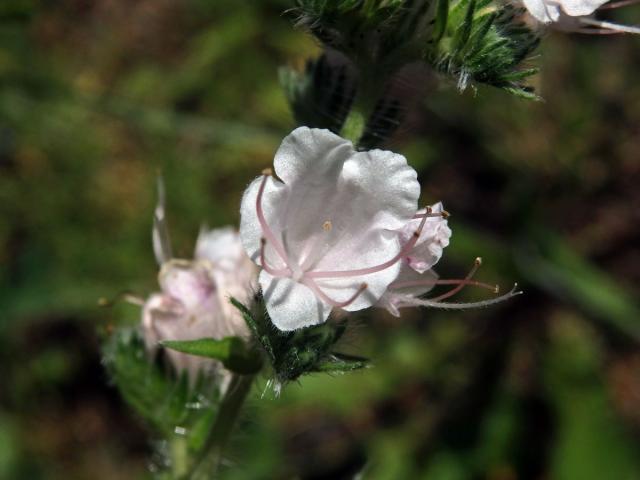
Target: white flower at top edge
column 325, row 233
column 577, row 15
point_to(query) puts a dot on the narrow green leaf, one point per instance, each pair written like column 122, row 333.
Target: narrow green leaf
column 231, row 351
column 338, row 362
column 442, row 14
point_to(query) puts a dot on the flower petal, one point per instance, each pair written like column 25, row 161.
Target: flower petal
column 434, row 237
column 543, row 10
column 578, row 8
column 220, row 246
column 290, row 304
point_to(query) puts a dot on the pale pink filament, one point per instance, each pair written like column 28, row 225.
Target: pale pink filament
column 460, row 286
column 377, row 268
column 314, row 286
column 420, row 283
column 605, row 28
column 263, row 222
column 282, row 272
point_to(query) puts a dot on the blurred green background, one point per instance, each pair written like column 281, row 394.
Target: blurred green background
column 96, row 96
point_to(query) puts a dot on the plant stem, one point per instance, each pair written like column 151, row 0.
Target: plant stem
column 207, row 464
column 179, row 456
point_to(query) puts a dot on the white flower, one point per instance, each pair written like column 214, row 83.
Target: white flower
column 193, row 301
column 325, row 235
column 577, row 15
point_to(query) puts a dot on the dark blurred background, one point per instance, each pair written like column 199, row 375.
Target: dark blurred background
column 96, row 96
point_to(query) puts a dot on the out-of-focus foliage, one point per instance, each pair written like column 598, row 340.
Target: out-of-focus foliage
column 96, row 96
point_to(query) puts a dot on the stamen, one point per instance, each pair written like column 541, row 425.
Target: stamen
column 327, row 226
column 282, row 272
column 365, row 271
column 420, row 283
column 615, row 27
column 452, row 292
column 263, row 222
column 314, row 286
column 416, row 302
column 430, row 214
column 621, row 3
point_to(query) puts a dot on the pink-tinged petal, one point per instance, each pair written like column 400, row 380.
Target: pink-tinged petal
column 187, row 282
column 290, row 304
column 275, row 199
column 342, row 289
column 165, row 318
column 433, row 239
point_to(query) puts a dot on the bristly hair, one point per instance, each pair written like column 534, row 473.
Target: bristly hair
column 472, row 41
column 488, row 46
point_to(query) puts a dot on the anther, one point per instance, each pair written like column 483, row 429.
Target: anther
column 326, row 226
column 267, row 172
column 476, row 264
column 445, row 214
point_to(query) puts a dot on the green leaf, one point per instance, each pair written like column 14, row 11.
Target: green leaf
column 156, row 395
column 231, row 351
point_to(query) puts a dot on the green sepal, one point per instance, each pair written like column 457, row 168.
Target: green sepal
column 293, row 354
column 251, row 322
column 339, row 363
column 231, row 351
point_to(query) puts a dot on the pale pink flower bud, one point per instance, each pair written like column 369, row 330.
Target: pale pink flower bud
column 194, row 299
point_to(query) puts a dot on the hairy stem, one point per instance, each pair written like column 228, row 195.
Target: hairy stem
column 207, row 465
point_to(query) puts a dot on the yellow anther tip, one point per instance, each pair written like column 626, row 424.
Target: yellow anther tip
column 268, row 172
column 445, row 214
